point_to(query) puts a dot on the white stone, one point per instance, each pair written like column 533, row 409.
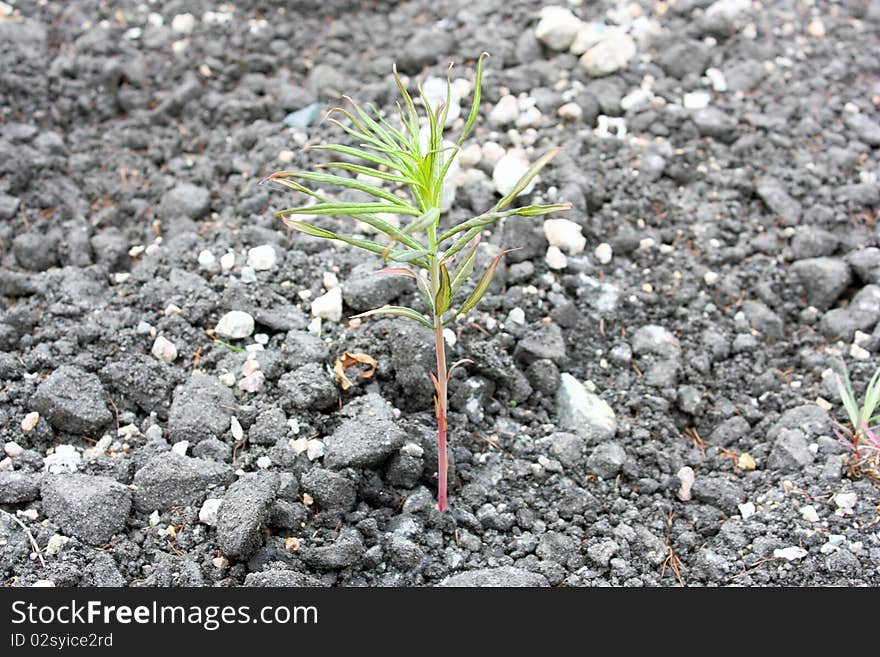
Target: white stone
column 517, row 316
column 509, row 169
column 492, row 152
column 587, row 36
column 450, row 337
column 227, row 379
column 710, row 278
column 206, row 259
column 809, row 513
column 235, row 324
column 180, row 447
column 253, row 382
column 13, row 449
column 611, row 54
column 582, row 411
column 816, row 28
column 570, row 112
column 610, row 126
column 264, row 462
column 6, row 464
column 65, row 458
column 696, row 100
column 55, row 544
column 505, row 112
column 555, row 258
column 565, row 234
column 686, row 480
column 183, row 23
column 845, row 501
column 236, row 429
column 164, row 349
column 603, row 253
column 248, row 274
column 434, row 90
column 328, row 306
column 208, row 512
column 43, row 584
column 859, row 353
column 790, row 553
column 717, row 79
column 557, row 28
column 530, row 118
column 262, row 258
column 636, row 99
column 470, row 156
column 746, row 510
column 315, row 449
column 227, row 261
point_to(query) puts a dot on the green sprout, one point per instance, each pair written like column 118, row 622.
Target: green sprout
column 862, row 419
column 409, row 163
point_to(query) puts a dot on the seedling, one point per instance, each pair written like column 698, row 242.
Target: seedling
column 860, row 434
column 403, row 170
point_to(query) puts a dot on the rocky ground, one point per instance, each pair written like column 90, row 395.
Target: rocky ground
column 652, row 399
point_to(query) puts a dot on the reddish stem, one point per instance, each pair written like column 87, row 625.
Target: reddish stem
column 440, row 411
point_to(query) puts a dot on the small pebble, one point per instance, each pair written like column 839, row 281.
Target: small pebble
column 164, row 350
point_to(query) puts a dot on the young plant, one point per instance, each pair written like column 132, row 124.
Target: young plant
column 403, row 168
column 861, row 418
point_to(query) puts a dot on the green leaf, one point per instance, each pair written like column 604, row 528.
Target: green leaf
column 411, row 118
column 444, row 295
column 428, row 219
column 352, row 209
column 398, row 255
column 527, row 177
column 472, row 116
column 366, row 171
column 361, row 154
column 461, row 242
column 464, row 270
column 484, row 220
column 408, row 256
column 349, row 183
column 483, row 284
column 400, row 311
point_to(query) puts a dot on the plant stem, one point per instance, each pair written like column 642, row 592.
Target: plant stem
column 442, row 462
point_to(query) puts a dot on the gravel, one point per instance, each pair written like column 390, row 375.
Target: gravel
column 73, row 400
column 89, row 508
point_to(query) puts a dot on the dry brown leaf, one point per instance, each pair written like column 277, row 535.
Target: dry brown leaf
column 346, row 361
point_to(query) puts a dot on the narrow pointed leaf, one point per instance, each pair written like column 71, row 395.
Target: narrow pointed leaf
column 466, row 268
column 472, row 115
column 483, row 220
column 349, row 208
column 483, row 284
column 444, row 294
column 349, row 183
column 527, row 177
column 398, row 255
column 366, row 171
column 462, row 242
column 361, row 154
column 420, row 224
column 396, row 271
column 456, row 364
column 399, row 311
